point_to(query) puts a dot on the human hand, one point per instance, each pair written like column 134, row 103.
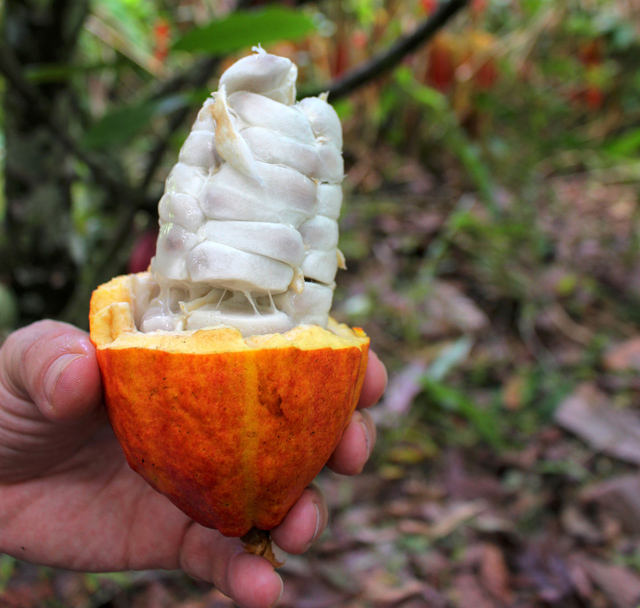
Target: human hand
column 68, row 498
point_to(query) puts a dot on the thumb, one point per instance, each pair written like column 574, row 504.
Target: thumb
column 54, row 366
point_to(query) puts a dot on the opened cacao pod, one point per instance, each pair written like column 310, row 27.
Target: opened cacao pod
column 225, row 380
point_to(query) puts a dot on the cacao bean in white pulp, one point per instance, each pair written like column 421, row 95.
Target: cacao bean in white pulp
column 248, row 222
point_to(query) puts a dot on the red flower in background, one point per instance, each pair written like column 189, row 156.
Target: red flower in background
column 478, row 6
column 442, row 64
column 161, row 39
column 428, row 6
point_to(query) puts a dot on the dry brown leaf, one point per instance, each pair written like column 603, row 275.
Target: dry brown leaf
column 620, row 497
column 494, row 523
column 468, row 593
column 450, row 311
column 414, row 527
column 403, row 388
column 619, row 584
column 588, row 414
column 494, row 574
column 445, row 521
column 581, row 581
column 576, row 523
column 458, row 515
column 385, row 592
column 623, row 356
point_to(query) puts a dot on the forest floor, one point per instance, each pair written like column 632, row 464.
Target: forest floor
column 507, row 470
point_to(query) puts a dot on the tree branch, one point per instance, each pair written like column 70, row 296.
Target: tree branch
column 197, row 76
column 385, row 61
column 183, row 79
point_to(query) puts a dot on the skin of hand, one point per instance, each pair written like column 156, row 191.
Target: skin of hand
column 68, row 499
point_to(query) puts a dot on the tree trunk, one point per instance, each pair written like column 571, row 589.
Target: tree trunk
column 38, row 260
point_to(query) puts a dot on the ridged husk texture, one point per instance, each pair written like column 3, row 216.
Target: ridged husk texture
column 230, row 429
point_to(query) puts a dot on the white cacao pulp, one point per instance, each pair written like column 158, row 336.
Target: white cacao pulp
column 248, row 221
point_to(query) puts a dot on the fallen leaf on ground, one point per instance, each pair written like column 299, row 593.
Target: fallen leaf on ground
column 414, row 527
column 458, row 515
column 578, row 525
column 468, row 593
column 450, row 311
column 623, row 356
column 494, row 574
column 619, row 584
column 403, row 388
column 581, row 581
column 620, row 497
column 588, row 414
column 383, row 592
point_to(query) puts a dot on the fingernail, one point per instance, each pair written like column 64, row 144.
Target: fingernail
column 318, row 523
column 56, row 369
column 281, row 589
column 317, row 530
column 366, row 437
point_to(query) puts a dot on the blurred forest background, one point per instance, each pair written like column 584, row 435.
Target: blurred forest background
column 490, row 226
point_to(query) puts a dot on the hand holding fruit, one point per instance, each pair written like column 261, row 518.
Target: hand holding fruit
column 226, row 382
column 69, row 500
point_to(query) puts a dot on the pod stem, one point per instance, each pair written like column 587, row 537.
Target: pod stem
column 258, row 542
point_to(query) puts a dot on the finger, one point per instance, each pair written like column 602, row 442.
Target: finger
column 304, row 523
column 248, row 579
column 356, row 445
column 54, row 365
column 375, row 381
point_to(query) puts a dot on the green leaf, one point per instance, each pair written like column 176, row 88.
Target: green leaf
column 484, row 421
column 454, row 400
column 7, row 568
column 626, row 145
column 247, row 28
column 426, row 96
column 122, row 124
column 449, row 358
